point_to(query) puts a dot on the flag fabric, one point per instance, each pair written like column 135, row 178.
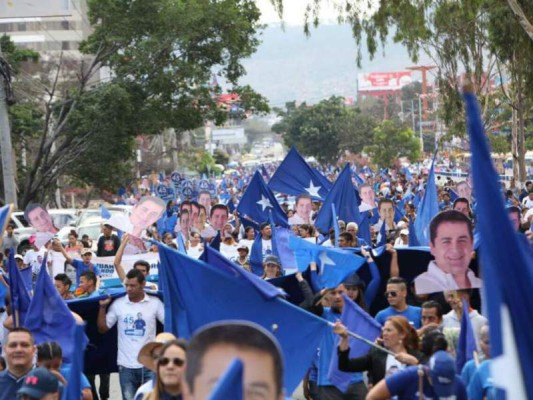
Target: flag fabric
column 230, row 385
column 238, row 299
column 256, row 255
column 258, row 202
column 280, row 243
column 357, row 321
column 453, row 195
column 364, row 227
column 466, row 345
column 104, row 212
column 413, row 240
column 264, row 173
column 507, row 273
column 3, row 292
column 334, row 264
column 215, row 243
column 294, row 176
column 382, row 236
column 20, row 298
column 5, row 212
column 166, row 224
column 48, row 317
column 336, row 229
column 343, row 196
column 181, row 243
column 216, row 259
column 73, row 388
column 428, row 208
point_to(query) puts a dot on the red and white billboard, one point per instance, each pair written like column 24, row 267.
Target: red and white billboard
column 383, row 81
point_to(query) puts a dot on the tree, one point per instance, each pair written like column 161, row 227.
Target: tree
column 499, row 144
column 359, row 132
column 316, row 130
column 392, row 141
column 162, row 54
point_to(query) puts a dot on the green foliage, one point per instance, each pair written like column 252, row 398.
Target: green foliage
column 168, row 50
column 220, row 156
column 499, row 144
column 326, row 129
column 315, row 130
column 15, row 56
column 104, row 126
column 391, row 141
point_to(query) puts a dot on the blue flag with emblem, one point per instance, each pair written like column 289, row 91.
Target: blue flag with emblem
column 343, row 196
column 230, row 385
column 507, row 273
column 73, row 388
column 334, row 264
column 237, row 299
column 294, row 176
column 20, row 298
column 428, row 208
column 258, row 202
column 466, row 345
column 48, row 317
column 357, row 321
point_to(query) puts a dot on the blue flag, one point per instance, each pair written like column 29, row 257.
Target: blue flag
column 357, row 321
column 264, row 173
column 428, row 208
column 258, row 202
column 73, row 388
column 413, row 240
column 364, row 227
column 230, row 385
column 453, row 195
column 343, row 196
column 215, row 243
column 466, row 345
column 215, row 259
column 334, row 264
column 104, row 212
column 5, row 212
column 181, row 243
column 336, row 229
column 294, row 176
column 382, row 236
column 20, row 298
column 507, row 273
column 238, row 299
column 48, row 317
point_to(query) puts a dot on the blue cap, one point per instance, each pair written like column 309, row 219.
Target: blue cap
column 38, row 383
column 442, row 373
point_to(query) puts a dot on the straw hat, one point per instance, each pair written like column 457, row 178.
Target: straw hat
column 146, row 354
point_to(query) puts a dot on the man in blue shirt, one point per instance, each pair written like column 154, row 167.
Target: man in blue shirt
column 82, row 265
column 396, row 295
column 20, row 350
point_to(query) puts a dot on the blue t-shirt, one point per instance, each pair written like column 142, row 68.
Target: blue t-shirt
column 404, row 385
column 481, row 386
column 65, row 371
column 325, row 352
column 413, row 315
column 82, row 267
column 9, row 385
column 468, row 371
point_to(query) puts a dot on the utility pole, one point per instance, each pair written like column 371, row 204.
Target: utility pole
column 10, row 189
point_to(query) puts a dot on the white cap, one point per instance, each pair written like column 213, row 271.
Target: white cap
column 404, row 232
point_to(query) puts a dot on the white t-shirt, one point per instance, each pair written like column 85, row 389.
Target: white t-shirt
column 34, row 259
column 136, row 326
column 392, row 366
column 229, row 251
column 267, row 247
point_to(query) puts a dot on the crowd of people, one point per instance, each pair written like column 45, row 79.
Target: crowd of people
column 420, row 320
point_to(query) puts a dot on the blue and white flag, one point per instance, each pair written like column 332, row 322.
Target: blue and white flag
column 258, row 203
column 334, row 264
column 428, row 208
column 294, row 176
column 507, row 272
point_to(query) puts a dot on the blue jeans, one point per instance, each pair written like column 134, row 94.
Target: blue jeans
column 131, row 379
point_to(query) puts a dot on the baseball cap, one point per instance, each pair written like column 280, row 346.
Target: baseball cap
column 85, row 251
column 442, row 373
column 354, row 280
column 145, row 356
column 38, row 383
column 19, row 257
column 270, row 259
column 404, row 232
column 242, row 247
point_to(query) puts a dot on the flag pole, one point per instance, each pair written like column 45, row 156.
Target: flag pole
column 358, row 337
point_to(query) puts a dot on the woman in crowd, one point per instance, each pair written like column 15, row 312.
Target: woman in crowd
column 271, row 267
column 170, row 368
column 398, row 336
column 248, row 239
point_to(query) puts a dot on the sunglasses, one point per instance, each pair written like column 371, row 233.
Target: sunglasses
column 164, row 361
column 26, row 397
column 391, row 294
